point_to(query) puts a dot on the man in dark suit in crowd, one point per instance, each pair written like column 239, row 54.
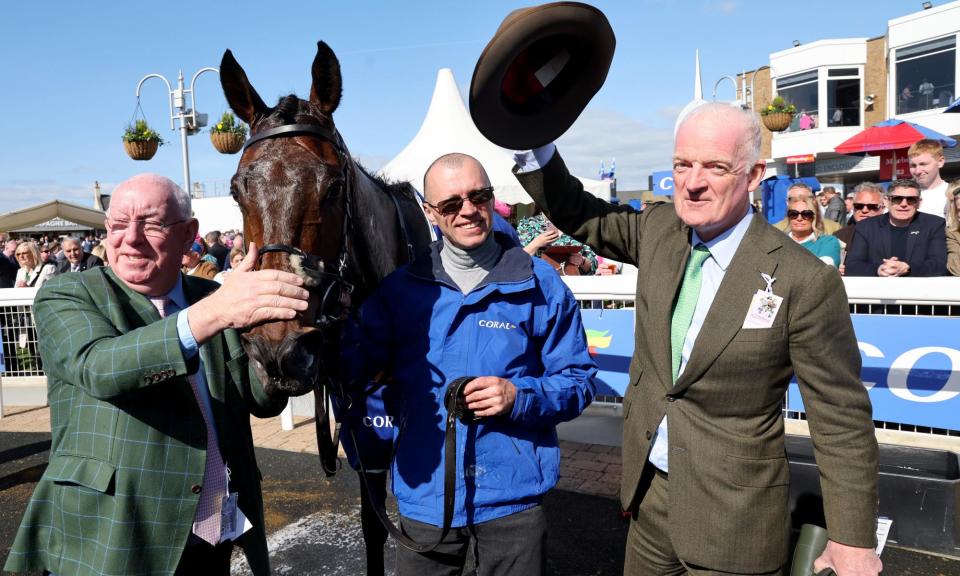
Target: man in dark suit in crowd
column 728, row 311
column 152, row 469
column 216, row 248
column 8, row 264
column 902, row 242
column 836, row 210
column 75, row 259
column 867, row 203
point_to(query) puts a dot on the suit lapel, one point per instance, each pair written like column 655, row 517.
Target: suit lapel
column 913, row 234
column 671, row 257
column 725, row 317
column 885, row 243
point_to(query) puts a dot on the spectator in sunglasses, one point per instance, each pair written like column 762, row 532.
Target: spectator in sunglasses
column 806, row 228
column 904, row 242
column 867, row 203
column 798, row 191
column 474, row 305
column 953, row 229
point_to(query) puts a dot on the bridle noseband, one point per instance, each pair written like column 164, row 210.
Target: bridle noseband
column 333, row 286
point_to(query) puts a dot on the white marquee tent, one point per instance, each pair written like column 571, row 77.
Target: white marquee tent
column 447, row 128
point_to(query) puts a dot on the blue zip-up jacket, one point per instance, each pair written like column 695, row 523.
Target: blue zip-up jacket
column 520, row 323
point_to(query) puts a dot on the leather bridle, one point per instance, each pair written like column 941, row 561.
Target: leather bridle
column 334, row 288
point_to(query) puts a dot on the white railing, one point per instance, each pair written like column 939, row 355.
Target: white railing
column 888, row 296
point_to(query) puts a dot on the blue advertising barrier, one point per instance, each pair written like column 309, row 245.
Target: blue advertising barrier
column 662, row 183
column 912, row 376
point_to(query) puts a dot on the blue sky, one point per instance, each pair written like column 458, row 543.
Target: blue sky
column 68, row 71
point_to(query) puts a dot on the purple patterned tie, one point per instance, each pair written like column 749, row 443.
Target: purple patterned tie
column 206, row 523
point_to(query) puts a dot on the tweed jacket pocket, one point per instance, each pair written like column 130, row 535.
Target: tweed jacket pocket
column 89, row 472
column 774, row 333
column 758, row 472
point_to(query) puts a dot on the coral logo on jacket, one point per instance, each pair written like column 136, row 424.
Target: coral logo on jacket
column 496, row 324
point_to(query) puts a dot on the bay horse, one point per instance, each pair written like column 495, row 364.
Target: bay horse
column 314, row 211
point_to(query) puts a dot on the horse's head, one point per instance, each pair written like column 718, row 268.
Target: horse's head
column 292, row 186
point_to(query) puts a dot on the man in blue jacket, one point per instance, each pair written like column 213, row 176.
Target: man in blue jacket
column 474, row 305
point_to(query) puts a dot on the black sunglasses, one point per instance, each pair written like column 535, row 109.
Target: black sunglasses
column 806, row 214
column 911, row 200
column 871, row 207
column 453, row 205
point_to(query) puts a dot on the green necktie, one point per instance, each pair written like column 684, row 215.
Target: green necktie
column 686, row 303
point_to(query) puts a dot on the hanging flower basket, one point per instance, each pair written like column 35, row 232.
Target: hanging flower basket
column 140, row 141
column 227, row 142
column 778, row 121
column 228, row 135
column 142, row 149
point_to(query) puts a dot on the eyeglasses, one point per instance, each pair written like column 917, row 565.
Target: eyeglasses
column 151, row 228
column 452, row 206
column 44, row 251
column 911, row 200
column 870, row 207
column 19, row 254
column 806, row 214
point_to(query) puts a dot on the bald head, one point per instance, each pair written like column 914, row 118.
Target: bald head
column 455, row 161
column 156, row 183
column 744, row 122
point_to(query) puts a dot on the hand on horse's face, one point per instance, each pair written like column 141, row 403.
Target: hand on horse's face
column 247, row 298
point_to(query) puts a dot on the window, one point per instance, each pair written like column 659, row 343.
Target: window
column 801, row 91
column 843, row 97
column 926, row 75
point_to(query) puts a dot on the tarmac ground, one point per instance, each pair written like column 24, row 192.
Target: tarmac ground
column 313, row 523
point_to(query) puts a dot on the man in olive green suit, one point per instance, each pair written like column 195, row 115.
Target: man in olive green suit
column 141, row 403
column 710, row 496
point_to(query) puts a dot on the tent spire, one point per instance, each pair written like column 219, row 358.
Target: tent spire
column 697, row 84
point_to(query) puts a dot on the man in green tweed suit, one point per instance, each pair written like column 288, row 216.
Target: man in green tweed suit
column 728, row 310
column 131, row 394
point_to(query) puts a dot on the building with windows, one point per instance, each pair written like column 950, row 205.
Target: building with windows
column 842, row 86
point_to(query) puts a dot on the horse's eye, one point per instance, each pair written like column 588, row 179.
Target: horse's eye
column 335, row 188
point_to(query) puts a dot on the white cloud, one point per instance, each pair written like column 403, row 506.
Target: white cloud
column 601, row 135
column 18, row 194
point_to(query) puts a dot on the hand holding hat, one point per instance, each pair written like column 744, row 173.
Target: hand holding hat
column 539, row 71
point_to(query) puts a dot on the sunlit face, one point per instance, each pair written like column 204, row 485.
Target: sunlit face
column 469, row 227
column 73, row 251
column 236, row 260
column 149, row 264
column 903, row 205
column 712, row 184
column 925, row 169
column 866, row 204
column 956, row 204
column 25, row 257
column 802, row 224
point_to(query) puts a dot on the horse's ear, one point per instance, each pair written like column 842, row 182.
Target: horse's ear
column 327, row 83
column 242, row 98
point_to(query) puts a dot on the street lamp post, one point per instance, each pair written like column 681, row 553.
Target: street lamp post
column 190, row 120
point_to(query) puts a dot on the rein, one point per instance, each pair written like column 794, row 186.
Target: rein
column 334, row 286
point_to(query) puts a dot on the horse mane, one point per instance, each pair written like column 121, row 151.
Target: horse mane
column 287, row 108
column 402, row 188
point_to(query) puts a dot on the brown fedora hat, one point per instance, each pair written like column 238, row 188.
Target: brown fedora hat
column 538, row 73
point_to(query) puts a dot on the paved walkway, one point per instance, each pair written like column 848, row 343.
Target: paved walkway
column 585, row 468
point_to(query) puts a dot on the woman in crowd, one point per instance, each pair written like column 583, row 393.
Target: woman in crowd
column 234, row 258
column 953, row 229
column 806, row 227
column 33, row 271
column 537, row 233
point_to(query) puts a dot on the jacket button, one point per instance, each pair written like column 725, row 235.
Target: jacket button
column 195, row 488
column 649, row 435
column 671, row 398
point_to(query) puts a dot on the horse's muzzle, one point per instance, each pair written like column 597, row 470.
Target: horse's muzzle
column 290, row 367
